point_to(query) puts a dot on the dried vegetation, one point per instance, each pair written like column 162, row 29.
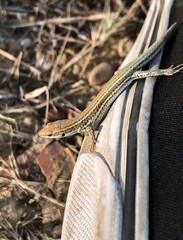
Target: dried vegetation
column 47, row 49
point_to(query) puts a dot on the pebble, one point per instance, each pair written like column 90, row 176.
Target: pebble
column 124, row 46
column 100, row 74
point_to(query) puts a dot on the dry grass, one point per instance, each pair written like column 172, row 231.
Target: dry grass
column 47, row 49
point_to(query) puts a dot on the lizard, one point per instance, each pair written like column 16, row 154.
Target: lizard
column 89, row 120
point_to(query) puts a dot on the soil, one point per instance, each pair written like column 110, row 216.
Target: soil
column 47, row 50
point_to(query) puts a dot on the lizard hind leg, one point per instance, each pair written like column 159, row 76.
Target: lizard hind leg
column 157, row 72
column 175, row 69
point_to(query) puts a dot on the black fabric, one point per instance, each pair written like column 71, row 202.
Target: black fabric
column 166, row 144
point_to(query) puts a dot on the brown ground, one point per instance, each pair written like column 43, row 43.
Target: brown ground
column 47, row 49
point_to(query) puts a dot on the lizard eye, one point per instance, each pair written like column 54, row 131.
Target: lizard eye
column 63, row 134
column 50, row 135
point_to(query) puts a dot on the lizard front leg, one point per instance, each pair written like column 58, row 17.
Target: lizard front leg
column 90, row 132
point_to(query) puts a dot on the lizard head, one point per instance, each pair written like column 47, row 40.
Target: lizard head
column 60, row 128
column 51, row 130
